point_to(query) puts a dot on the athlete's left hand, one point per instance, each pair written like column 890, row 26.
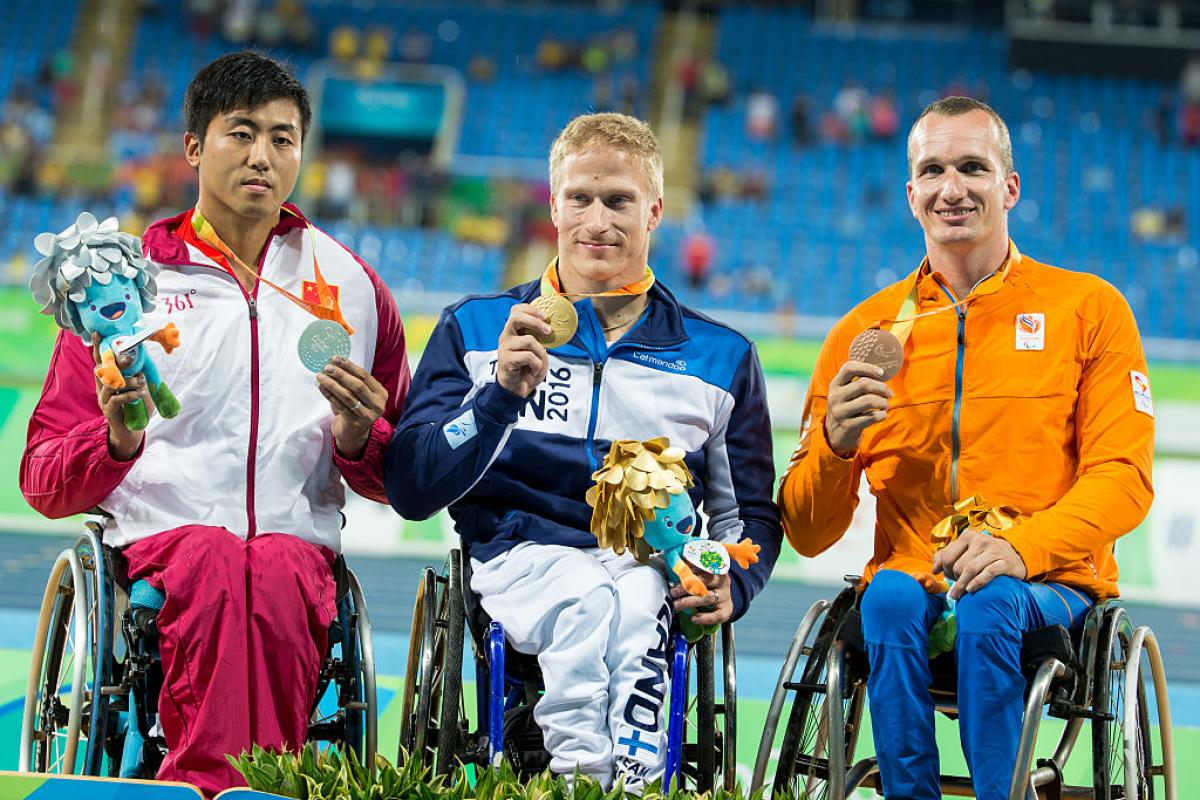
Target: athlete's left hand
column 357, row 400
column 719, row 600
column 974, row 558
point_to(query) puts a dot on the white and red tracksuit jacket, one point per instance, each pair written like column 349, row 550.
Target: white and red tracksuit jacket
column 251, row 450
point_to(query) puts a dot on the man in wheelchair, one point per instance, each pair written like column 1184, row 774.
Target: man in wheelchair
column 1023, row 396
column 232, row 508
column 512, row 409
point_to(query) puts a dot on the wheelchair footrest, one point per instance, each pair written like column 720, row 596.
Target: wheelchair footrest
column 1064, row 710
column 797, row 686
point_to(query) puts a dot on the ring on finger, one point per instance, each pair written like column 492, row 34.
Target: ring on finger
column 357, row 405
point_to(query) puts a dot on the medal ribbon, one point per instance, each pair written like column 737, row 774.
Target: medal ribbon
column 902, row 325
column 551, row 285
column 328, row 307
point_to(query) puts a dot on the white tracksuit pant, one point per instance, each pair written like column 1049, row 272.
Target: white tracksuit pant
column 598, row 623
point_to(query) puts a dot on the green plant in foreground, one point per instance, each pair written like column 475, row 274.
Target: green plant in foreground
column 332, row 774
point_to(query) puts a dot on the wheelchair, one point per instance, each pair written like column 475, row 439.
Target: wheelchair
column 95, row 674
column 1098, row 678
column 701, row 734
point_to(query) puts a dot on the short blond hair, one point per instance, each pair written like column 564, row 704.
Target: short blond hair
column 956, row 105
column 619, row 131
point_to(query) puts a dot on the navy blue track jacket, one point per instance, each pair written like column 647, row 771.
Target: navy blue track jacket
column 513, row 469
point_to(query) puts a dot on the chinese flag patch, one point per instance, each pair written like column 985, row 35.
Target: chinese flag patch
column 308, row 292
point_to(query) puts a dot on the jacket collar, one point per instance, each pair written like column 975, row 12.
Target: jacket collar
column 929, row 285
column 660, row 326
column 163, row 244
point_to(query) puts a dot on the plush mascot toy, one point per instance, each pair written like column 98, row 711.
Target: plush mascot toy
column 94, row 280
column 640, row 503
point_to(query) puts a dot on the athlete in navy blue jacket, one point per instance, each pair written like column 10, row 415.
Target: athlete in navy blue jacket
column 507, row 435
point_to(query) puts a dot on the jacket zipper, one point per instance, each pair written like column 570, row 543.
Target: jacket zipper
column 589, row 443
column 955, row 434
column 252, row 454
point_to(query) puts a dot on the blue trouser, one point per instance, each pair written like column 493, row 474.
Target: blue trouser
column 896, row 615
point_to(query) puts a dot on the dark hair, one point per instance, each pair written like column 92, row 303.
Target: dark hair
column 241, row 80
column 955, row 105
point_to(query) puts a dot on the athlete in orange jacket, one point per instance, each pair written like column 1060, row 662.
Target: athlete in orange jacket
column 1023, row 384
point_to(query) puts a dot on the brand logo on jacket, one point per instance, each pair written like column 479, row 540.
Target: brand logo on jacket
column 460, row 430
column 1143, row 400
column 1031, row 332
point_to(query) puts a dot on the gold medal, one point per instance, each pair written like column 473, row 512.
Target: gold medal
column 881, row 348
column 561, row 316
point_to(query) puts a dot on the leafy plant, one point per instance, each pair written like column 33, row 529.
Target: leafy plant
column 332, row 774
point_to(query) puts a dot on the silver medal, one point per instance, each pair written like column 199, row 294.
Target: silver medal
column 320, row 342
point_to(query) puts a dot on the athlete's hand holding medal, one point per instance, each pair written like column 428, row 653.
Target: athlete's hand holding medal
column 354, row 396
column 858, row 394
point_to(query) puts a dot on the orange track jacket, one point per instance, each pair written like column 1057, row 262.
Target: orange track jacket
column 1034, row 394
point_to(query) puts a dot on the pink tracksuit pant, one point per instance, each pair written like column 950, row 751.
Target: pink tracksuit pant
column 243, row 634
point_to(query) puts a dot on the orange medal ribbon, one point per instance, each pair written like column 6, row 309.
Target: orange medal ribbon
column 328, row 308
column 551, row 285
column 902, row 325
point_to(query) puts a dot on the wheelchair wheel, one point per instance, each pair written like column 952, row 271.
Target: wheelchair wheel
column 431, row 727
column 72, row 656
column 1121, row 735
column 804, row 759
column 709, row 745
column 351, row 670
column 362, row 710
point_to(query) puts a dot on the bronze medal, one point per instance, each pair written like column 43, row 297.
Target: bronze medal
column 881, row 348
column 561, row 316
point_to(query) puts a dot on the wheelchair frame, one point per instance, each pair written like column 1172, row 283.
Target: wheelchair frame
column 821, row 736
column 434, row 724
column 84, row 599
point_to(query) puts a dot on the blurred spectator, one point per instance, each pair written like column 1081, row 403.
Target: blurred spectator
column 762, row 115
column 17, row 159
column 552, row 54
column 801, row 126
column 298, row 26
column 377, row 45
column 415, row 46
column 1189, row 80
column 602, row 92
column 850, row 106
column 715, row 84
column 629, row 95
column 481, row 69
column 755, row 186
column 595, row 59
column 883, row 116
column 687, row 75
column 202, row 16
column 1189, row 125
column 1157, row 224
column 339, row 188
column 1160, row 117
column 697, row 258
column 344, row 42
column 1189, row 113
column 624, row 47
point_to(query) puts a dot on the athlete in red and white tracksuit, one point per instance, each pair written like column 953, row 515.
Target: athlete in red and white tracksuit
column 232, row 508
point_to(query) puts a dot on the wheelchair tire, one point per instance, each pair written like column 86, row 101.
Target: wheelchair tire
column 451, row 716
column 430, row 707
column 728, row 709
column 707, row 741
column 803, row 765
column 415, row 699
column 1116, row 750
column 362, row 714
column 69, row 660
